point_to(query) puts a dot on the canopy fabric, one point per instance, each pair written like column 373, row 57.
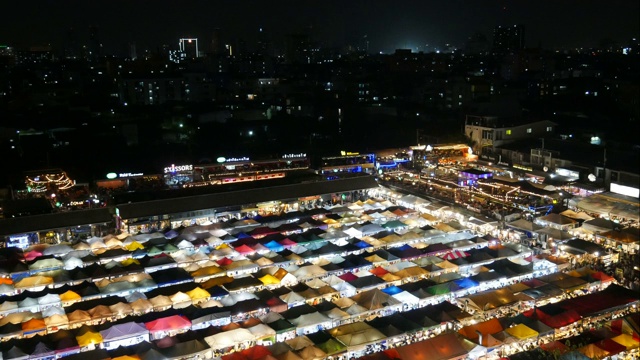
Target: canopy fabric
column 198, row 294
column 229, row 338
column 89, row 338
column 522, row 332
column 626, row 340
column 168, row 323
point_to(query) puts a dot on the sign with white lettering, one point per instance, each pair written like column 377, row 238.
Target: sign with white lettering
column 125, row 175
column 294, row 156
column 173, row 168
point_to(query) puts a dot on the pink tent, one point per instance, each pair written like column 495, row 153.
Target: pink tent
column 168, row 323
column 287, row 242
column 455, row 254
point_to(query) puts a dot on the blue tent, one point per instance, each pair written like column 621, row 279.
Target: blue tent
column 392, row 290
column 242, row 235
column 465, row 283
column 362, row 245
column 171, row 234
column 274, row 246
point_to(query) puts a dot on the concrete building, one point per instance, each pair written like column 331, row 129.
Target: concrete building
column 492, row 131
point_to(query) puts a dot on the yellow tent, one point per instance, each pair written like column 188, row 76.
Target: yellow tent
column 593, row 352
column 218, row 280
column 389, row 277
column 206, row 271
column 522, row 332
column 33, row 281
column 133, row 246
column 269, row 280
column 411, row 271
column 429, row 217
column 222, row 246
column 89, row 338
column 198, row 294
column 626, row 340
column 130, row 261
column 69, row 296
column 126, row 357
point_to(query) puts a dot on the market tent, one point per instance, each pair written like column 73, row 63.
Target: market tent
column 56, row 320
column 374, row 299
column 361, row 337
column 626, row 340
column 229, row 338
column 312, row 353
column 122, row 331
column 299, row 342
column 89, row 338
column 312, row 319
column 442, row 347
column 168, row 323
column 33, row 281
column 489, row 327
column 593, row 352
column 611, row 346
column 331, row 347
column 14, row 353
column 33, row 326
column 521, row 332
column 187, row 349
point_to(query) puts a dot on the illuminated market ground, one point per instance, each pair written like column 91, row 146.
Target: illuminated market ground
column 379, row 275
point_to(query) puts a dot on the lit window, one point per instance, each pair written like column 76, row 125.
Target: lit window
column 549, row 128
column 529, row 131
column 508, row 132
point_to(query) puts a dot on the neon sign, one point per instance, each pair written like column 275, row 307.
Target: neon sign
column 222, row 159
column 294, row 156
column 173, row 168
column 124, row 175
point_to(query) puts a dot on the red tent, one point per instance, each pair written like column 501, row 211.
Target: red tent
column 168, row 323
column 611, row 346
column 244, row 249
column 256, row 352
column 601, row 276
column 234, row 356
column 262, row 231
column 555, row 346
column 287, row 242
column 378, row 271
column 348, row 277
column 224, row 261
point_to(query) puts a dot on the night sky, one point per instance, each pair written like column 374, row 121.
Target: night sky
column 388, row 24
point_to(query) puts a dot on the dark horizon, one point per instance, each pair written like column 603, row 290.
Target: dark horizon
column 389, row 25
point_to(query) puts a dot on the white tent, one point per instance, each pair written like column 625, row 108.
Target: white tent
column 229, row 338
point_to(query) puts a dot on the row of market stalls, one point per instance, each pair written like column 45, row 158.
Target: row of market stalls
column 224, row 291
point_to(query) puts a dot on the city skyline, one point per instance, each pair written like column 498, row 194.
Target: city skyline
column 421, row 26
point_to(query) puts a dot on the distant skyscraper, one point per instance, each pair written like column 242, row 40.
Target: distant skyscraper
column 216, row 44
column 133, row 53
column 71, row 48
column 95, row 47
column 189, row 46
column 508, row 38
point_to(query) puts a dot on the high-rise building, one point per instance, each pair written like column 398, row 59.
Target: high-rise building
column 95, row 47
column 508, row 38
column 189, row 46
column 216, row 43
column 71, row 47
column 133, row 53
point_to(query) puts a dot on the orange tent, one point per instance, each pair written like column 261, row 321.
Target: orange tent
column 33, row 325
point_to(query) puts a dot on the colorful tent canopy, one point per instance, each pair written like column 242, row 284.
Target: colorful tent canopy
column 521, row 332
column 168, row 323
column 88, row 338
